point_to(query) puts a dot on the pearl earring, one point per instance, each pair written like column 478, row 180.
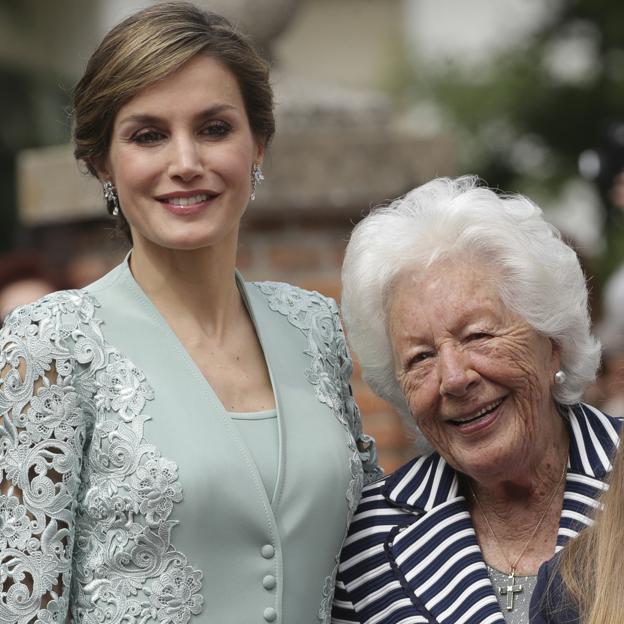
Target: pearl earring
column 560, row 377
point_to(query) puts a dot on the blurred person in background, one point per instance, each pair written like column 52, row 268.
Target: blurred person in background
column 610, row 329
column 617, row 190
column 23, row 280
column 469, row 314
column 179, row 445
column 87, row 268
column 605, row 167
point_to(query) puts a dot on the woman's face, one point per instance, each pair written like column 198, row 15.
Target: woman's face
column 476, row 377
column 181, row 156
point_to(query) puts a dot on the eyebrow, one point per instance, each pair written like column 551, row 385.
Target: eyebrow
column 144, row 118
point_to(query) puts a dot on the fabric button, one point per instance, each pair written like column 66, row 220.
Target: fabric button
column 270, row 614
column 268, row 582
column 267, row 551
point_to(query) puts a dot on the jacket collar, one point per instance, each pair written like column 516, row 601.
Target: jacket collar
column 429, row 481
column 436, row 557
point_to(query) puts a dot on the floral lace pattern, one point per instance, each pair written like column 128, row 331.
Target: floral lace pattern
column 86, row 502
column 329, row 373
column 79, row 477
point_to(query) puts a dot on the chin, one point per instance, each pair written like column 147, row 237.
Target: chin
column 190, row 245
column 189, row 242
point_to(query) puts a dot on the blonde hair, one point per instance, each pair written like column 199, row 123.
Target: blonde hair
column 149, row 46
column 592, row 565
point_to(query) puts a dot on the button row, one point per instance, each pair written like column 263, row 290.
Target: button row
column 269, row 582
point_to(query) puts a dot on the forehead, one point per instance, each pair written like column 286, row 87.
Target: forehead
column 200, row 82
column 449, row 292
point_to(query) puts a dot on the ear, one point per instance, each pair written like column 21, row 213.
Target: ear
column 102, row 169
column 555, row 356
column 259, row 153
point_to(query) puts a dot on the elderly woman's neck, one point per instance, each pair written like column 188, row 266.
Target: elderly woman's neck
column 530, row 471
column 526, row 488
column 516, row 519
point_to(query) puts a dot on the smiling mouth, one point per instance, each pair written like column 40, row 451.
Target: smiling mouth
column 484, row 411
column 189, row 201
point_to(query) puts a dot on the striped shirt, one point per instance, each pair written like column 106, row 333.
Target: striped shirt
column 412, row 556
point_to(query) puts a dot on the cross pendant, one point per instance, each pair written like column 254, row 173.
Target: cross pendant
column 510, row 590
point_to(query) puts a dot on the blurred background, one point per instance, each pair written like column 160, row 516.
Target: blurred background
column 374, row 97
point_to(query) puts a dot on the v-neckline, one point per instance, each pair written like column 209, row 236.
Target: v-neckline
column 240, row 285
column 205, row 384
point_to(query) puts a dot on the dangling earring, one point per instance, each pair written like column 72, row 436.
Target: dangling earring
column 560, row 377
column 110, row 194
column 256, row 179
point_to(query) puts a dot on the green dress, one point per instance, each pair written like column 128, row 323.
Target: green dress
column 134, row 496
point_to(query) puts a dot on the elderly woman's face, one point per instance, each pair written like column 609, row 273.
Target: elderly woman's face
column 476, row 377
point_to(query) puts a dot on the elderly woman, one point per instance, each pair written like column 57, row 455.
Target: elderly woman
column 469, row 314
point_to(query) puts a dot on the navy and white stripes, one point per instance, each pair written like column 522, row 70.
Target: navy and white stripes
column 412, row 556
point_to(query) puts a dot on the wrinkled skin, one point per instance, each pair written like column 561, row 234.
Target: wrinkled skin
column 458, row 350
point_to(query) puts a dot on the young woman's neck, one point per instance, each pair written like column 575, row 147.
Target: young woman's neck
column 199, row 283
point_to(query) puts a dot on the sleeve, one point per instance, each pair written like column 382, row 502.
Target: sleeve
column 41, row 440
column 536, row 615
column 365, row 443
column 343, row 611
column 550, row 601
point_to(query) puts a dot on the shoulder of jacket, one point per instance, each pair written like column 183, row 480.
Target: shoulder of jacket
column 67, row 308
column 298, row 296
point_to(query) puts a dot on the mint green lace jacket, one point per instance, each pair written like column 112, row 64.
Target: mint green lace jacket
column 128, row 496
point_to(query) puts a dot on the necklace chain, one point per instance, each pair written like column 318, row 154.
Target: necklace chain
column 513, row 566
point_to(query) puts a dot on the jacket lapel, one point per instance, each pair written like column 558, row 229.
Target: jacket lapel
column 437, row 557
column 593, row 441
column 290, row 332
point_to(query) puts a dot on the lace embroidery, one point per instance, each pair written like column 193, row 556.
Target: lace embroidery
column 329, row 372
column 79, row 477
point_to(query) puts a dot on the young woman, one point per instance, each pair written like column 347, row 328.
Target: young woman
column 178, row 445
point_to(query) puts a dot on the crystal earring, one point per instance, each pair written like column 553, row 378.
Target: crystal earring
column 110, row 194
column 560, row 377
column 256, row 179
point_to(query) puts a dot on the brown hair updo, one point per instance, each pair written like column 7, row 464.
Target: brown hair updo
column 149, row 46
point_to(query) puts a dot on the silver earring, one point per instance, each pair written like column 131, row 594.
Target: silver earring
column 560, row 377
column 256, row 179
column 110, row 194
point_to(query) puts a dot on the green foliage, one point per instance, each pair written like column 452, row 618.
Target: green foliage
column 519, row 124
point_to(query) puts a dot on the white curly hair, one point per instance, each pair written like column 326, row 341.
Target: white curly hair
column 538, row 276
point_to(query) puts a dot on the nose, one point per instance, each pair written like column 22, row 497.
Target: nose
column 457, row 375
column 185, row 159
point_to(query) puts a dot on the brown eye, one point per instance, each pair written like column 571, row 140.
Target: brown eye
column 479, row 336
column 419, row 358
column 147, row 137
column 217, row 129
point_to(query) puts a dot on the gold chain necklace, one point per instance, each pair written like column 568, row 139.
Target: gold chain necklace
column 511, row 589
